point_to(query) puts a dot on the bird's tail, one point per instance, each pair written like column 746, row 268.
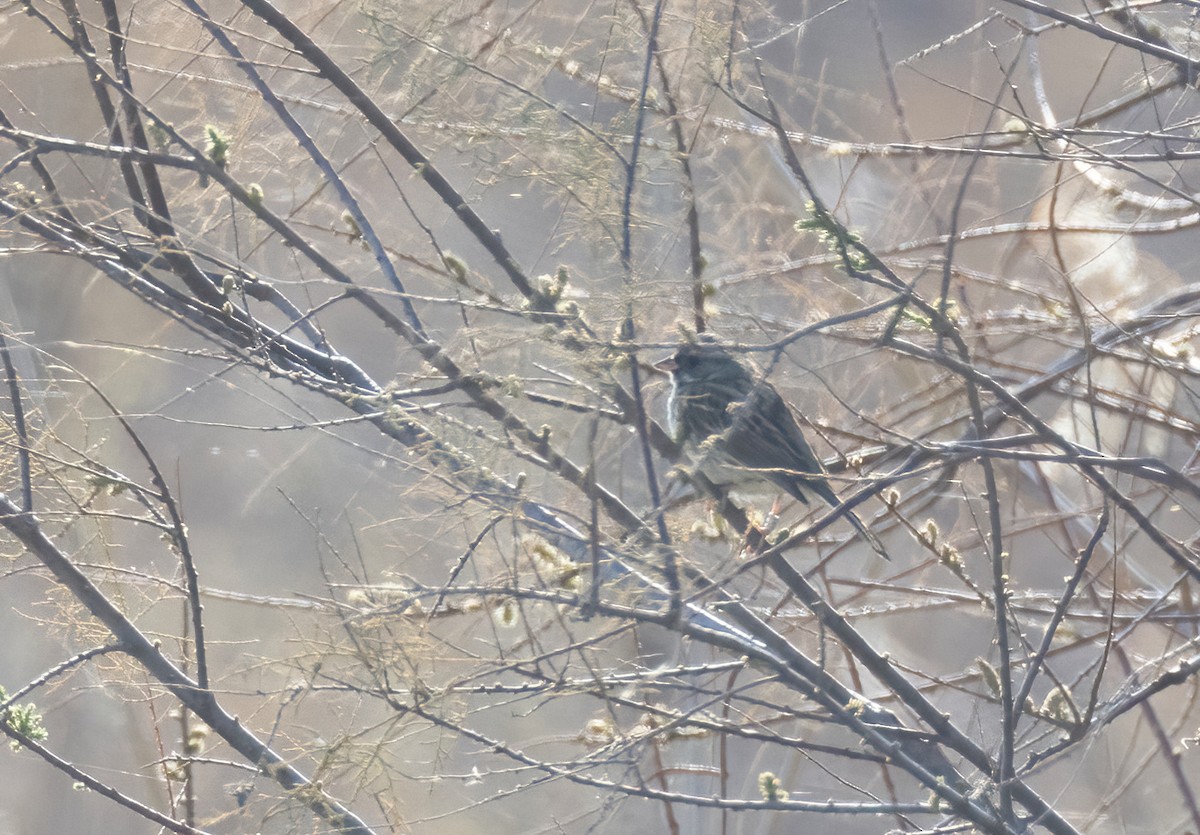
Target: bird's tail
column 826, row 492
column 871, row 538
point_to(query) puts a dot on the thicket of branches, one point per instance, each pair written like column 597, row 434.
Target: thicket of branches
column 335, row 467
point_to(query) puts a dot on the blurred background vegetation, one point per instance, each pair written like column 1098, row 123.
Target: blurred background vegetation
column 329, row 332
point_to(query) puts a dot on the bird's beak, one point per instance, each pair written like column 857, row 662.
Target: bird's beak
column 667, row 364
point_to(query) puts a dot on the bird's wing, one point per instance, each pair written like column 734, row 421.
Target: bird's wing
column 763, row 435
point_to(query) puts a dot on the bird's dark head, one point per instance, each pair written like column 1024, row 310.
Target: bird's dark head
column 699, row 361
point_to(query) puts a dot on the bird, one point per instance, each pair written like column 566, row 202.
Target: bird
column 737, row 430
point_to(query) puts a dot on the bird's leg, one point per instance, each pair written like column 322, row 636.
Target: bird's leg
column 775, row 508
column 754, row 538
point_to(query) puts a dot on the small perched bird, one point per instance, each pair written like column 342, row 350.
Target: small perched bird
column 737, row 430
